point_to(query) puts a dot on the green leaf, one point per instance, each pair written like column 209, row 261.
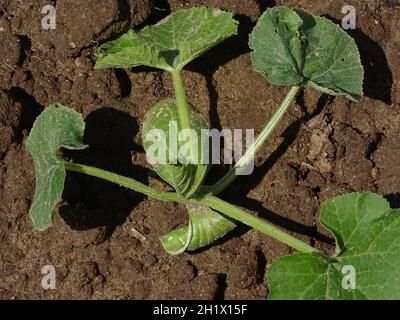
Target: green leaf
column 186, row 178
column 297, row 48
column 56, row 127
column 170, row 44
column 205, row 226
column 367, row 256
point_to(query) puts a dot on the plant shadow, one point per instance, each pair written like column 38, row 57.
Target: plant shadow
column 92, row 202
column 160, row 9
column 218, row 56
column 285, row 223
column 264, row 5
column 30, row 108
column 289, row 136
column 394, row 200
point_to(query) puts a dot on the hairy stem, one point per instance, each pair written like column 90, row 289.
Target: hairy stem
column 251, row 152
column 212, row 202
column 122, row 181
column 181, row 101
column 257, row 224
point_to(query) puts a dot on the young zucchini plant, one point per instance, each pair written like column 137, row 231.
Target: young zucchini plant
column 290, row 48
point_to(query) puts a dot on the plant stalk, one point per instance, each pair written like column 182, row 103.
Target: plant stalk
column 210, row 201
column 122, row 181
column 244, row 161
column 257, row 224
column 181, row 100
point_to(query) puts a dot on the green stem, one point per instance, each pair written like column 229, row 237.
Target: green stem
column 181, row 101
column 257, row 224
column 212, row 202
column 251, row 152
column 122, row 181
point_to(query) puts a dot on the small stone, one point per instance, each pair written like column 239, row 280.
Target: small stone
column 375, row 173
column 151, row 260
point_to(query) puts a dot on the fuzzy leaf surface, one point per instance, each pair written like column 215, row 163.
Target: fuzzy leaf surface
column 170, row 44
column 56, row 127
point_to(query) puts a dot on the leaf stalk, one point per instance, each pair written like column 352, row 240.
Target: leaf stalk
column 122, row 181
column 244, row 161
column 181, row 100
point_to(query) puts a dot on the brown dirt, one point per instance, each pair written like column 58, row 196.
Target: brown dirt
column 324, row 147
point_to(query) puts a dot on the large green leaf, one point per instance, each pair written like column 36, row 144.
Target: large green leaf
column 170, row 44
column 57, row 127
column 186, row 178
column 367, row 233
column 205, row 226
column 297, row 48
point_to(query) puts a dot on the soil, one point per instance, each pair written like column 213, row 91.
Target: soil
column 324, row 147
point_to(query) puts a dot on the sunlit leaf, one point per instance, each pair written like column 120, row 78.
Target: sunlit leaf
column 367, row 265
column 297, row 48
column 170, row 44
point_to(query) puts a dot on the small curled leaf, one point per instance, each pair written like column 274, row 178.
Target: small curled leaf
column 56, row 127
column 205, row 227
column 160, row 128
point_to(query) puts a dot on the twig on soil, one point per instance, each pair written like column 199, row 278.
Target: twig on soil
column 138, row 235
